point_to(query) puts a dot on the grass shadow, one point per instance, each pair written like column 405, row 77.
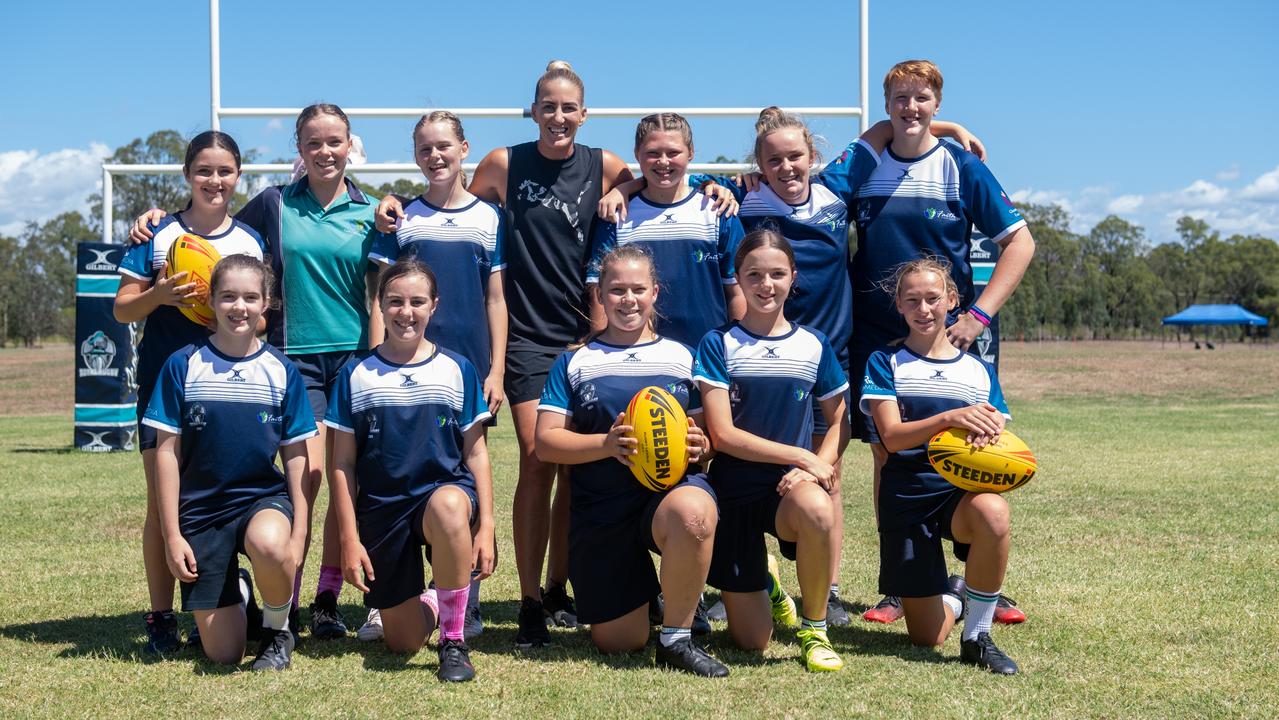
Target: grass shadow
column 60, row 450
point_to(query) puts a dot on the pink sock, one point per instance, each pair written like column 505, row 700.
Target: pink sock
column 330, row 580
column 453, row 612
column 431, row 604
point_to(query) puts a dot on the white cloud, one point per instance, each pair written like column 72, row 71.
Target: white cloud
column 1251, row 209
column 36, row 187
column 1265, row 187
column 1230, row 174
column 274, row 124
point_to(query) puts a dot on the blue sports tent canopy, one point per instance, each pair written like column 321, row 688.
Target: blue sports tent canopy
column 1215, row 315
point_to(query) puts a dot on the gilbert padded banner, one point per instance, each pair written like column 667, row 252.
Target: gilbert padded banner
column 982, row 254
column 106, row 391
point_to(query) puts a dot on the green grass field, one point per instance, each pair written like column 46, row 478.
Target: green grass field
column 1146, row 553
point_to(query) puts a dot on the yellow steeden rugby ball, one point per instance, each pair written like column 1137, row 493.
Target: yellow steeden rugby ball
column 661, row 427
column 1004, row 466
column 194, row 255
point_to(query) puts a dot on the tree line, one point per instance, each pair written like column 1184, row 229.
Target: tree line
column 1108, row 283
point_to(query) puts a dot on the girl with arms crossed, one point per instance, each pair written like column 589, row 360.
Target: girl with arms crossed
column 910, row 393
column 212, row 168
column 411, row 469
column 615, row 520
column 223, row 408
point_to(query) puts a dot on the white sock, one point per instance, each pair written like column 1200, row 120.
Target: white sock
column 671, row 635
column 276, row 618
column 955, row 604
column 981, row 611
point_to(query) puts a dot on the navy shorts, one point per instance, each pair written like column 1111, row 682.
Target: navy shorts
column 609, row 563
column 526, row 371
column 319, row 371
column 396, row 551
column 911, row 560
column 739, row 562
column 217, row 550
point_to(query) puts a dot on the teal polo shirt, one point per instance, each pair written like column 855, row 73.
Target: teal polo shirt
column 320, row 256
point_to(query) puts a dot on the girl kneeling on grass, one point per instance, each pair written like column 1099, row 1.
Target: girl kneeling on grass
column 758, row 377
column 911, row 393
column 223, row 407
column 615, row 522
column 411, row 469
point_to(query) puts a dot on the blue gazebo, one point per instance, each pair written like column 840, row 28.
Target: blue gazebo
column 1214, row 315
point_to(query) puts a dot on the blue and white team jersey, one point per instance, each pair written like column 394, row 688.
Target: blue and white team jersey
column 233, row 414
column 771, row 383
column 167, row 329
column 592, row 385
column 922, row 387
column 909, row 208
column 821, row 297
column 463, row 246
column 408, row 422
column 692, row 252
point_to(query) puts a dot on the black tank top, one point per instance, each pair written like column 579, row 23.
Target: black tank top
column 550, row 210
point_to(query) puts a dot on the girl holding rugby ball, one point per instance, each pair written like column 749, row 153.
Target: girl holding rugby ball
column 223, row 408
column 411, row 469
column 616, row 522
column 147, row 292
column 910, row 393
column 758, row 378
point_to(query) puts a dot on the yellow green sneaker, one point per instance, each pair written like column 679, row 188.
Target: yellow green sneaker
column 819, row 656
column 783, row 605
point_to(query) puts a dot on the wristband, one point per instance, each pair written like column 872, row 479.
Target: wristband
column 980, row 314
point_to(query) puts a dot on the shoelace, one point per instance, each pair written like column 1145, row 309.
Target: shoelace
column 1008, row 600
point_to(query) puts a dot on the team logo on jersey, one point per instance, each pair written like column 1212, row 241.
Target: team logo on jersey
column 935, row 214
column 408, row 380
column 905, row 174
column 483, row 262
column 586, row 394
column 670, row 219
column 734, row 393
column 842, row 157
column 265, row 417
column 985, row 345
column 98, row 352
column 863, row 212
column 937, row 375
column 236, row 376
column 676, row 388
column 976, row 251
column 704, row 256
column 801, row 394
column 361, row 226
column 771, row 352
column 444, row 421
column 195, row 417
column 632, row 357
column 96, row 443
column 371, row 416
column 102, row 261
column 448, row 222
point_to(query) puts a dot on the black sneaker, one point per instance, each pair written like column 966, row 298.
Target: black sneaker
column 957, row 588
column 687, row 656
column 981, row 651
column 836, row 613
column 193, row 638
column 326, row 621
column 162, row 633
column 455, row 662
column 275, row 650
column 295, row 625
column 701, row 623
column 252, row 613
column 559, row 607
column 532, row 621
column 657, row 611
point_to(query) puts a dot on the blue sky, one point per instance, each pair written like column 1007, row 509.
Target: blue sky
column 1147, row 110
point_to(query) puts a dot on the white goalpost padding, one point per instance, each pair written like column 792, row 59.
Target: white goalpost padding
column 217, row 112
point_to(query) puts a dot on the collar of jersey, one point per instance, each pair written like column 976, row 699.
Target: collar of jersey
column 177, row 217
column 934, row 360
column 912, row 161
column 419, row 363
column 229, row 358
column 352, row 190
column 654, row 341
column 436, row 208
column 692, row 194
column 794, row 328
